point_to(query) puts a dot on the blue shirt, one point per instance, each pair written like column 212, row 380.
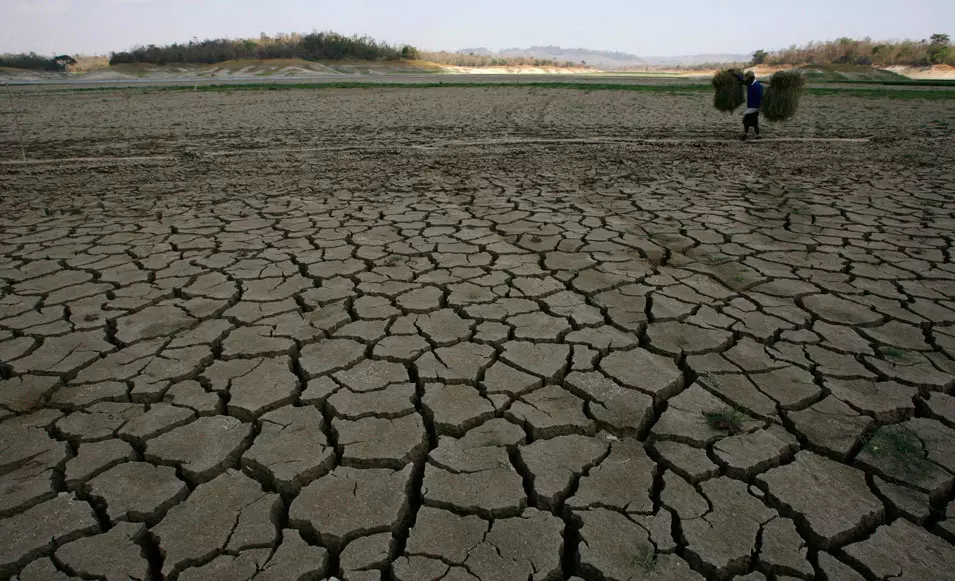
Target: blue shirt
column 754, row 95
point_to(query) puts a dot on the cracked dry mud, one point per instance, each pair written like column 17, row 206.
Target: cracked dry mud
column 402, row 360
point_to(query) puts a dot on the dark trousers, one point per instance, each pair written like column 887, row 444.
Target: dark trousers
column 751, row 120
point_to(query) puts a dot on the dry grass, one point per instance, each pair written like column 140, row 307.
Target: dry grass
column 730, row 93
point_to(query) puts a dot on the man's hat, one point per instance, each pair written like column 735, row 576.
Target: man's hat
column 750, row 75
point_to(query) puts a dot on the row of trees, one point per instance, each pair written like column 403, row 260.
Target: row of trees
column 313, row 46
column 34, row 62
column 936, row 50
column 477, row 60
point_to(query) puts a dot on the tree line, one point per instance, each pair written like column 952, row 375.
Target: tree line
column 313, row 46
column 34, row 62
column 936, row 50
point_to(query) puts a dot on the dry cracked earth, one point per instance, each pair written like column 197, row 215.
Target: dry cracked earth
column 511, row 362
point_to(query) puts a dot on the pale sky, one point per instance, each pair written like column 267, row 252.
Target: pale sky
column 647, row 28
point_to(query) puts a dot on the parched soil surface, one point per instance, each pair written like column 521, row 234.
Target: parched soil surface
column 475, row 334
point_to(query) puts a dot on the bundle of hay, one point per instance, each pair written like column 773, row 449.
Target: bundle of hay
column 782, row 97
column 730, row 93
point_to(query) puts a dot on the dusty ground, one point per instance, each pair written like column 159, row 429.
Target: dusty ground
column 290, row 335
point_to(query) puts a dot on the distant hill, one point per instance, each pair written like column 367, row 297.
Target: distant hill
column 604, row 59
column 596, row 58
column 694, row 60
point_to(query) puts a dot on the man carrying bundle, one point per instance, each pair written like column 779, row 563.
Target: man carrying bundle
column 754, row 98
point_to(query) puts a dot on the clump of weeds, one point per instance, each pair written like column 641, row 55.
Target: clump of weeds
column 897, row 447
column 725, row 420
column 647, row 560
column 895, row 354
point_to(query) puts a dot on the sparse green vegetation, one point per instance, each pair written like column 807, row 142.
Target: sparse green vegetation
column 725, row 420
column 897, row 446
column 895, row 353
column 646, row 560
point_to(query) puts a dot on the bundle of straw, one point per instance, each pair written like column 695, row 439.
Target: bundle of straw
column 729, row 90
column 782, row 97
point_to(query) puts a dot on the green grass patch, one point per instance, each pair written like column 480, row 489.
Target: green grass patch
column 893, row 82
column 725, row 420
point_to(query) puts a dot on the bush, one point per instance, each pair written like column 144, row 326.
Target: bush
column 34, row 62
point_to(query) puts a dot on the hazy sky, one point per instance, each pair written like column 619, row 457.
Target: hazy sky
column 648, row 28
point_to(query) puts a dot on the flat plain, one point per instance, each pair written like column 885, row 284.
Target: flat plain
column 488, row 333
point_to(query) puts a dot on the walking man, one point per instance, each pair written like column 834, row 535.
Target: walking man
column 754, row 98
